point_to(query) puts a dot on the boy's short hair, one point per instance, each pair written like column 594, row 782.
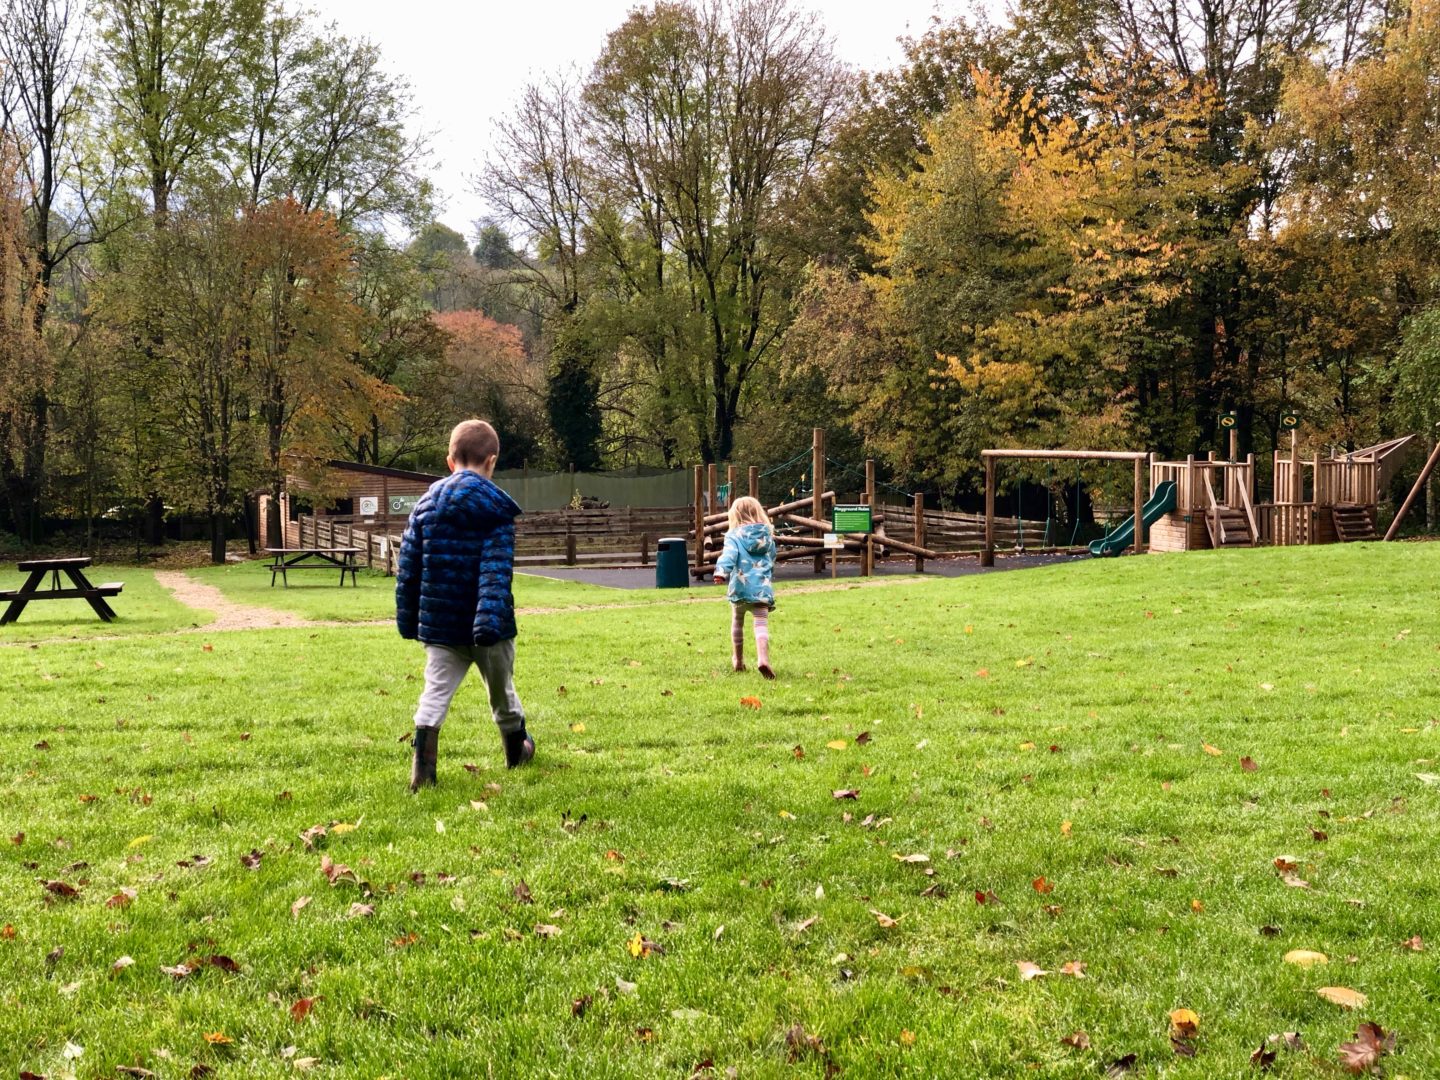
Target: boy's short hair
column 473, row 442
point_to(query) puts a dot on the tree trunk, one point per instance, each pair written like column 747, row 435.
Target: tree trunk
column 217, row 537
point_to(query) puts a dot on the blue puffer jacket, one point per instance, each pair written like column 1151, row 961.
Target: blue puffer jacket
column 457, row 559
column 748, row 561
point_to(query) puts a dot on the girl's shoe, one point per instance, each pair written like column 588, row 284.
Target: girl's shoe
column 765, row 670
column 422, row 766
column 519, row 748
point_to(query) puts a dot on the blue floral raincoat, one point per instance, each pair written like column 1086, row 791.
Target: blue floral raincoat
column 748, row 563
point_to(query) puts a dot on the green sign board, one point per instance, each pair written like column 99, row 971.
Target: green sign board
column 852, row 519
column 1228, row 421
column 403, row 504
column 1290, row 420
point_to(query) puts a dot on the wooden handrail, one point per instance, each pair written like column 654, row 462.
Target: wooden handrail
column 1249, row 511
column 1212, row 515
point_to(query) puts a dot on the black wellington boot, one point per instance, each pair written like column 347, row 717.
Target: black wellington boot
column 422, row 768
column 519, row 748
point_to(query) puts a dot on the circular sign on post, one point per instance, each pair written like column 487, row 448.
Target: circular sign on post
column 1228, row 421
column 1289, row 420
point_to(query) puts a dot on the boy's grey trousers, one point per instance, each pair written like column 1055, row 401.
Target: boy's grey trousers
column 445, row 669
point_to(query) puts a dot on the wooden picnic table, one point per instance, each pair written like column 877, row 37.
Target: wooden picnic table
column 82, row 589
column 283, row 560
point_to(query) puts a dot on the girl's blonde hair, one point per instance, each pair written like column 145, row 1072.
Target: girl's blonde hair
column 747, row 510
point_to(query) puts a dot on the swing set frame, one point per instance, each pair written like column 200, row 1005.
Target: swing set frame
column 990, row 457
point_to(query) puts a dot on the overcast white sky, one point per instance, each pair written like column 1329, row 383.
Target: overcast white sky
column 467, row 62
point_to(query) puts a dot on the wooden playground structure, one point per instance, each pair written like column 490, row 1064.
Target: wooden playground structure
column 1204, row 502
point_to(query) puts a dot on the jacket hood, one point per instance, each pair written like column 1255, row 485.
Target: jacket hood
column 754, row 538
column 466, row 491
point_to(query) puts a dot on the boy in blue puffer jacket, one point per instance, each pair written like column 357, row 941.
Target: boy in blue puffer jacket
column 452, row 592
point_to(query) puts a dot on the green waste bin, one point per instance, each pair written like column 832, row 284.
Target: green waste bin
column 672, row 563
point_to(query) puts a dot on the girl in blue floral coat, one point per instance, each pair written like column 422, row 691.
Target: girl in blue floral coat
column 747, row 564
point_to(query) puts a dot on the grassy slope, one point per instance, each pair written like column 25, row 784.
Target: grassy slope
column 1318, row 664
column 143, row 607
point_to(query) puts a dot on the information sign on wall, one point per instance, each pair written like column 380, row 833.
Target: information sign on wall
column 369, row 505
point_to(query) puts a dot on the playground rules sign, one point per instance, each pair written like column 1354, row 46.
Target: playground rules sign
column 852, row 519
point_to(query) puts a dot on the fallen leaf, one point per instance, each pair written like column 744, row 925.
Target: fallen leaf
column 1073, row 968
column 845, row 793
column 837, row 744
column 578, row 728
column 907, row 1037
column 62, row 889
column 985, row 896
column 7, row 932
column 1305, row 958
column 1262, row 1058
column 750, row 702
column 123, row 898
column 218, row 1038
column 1213, row 751
column 224, row 963
column 358, row 910
column 580, row 1004
column 301, row 1009
column 1248, row 764
column 1077, row 1039
column 1197, row 906
column 885, row 920
column 623, row 986
column 1029, row 971
column 641, row 947
column 1065, row 828
column 798, row 752
column 1294, row 881
column 547, row 930
column 645, row 1034
column 521, row 892
column 121, row 964
column 801, row 927
column 1184, row 1023
column 862, row 738
column 252, row 860
column 1363, row 1055
column 404, row 941
column 1120, row 1067
column 1414, row 944
column 1343, row 996
column 298, row 906
column 917, row 857
column 1040, row 885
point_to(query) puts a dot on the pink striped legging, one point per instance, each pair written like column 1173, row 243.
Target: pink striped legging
column 761, row 614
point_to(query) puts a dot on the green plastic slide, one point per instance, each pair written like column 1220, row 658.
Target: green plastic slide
column 1162, row 502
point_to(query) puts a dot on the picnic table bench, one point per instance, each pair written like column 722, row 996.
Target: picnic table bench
column 284, row 560
column 81, row 588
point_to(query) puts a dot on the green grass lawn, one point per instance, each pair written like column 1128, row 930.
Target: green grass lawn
column 144, row 607
column 1051, row 724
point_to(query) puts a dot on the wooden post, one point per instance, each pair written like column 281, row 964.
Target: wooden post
column 817, row 485
column 867, row 562
column 699, row 496
column 570, row 554
column 1420, row 483
column 1140, row 507
column 1234, row 442
column 644, row 549
column 712, row 503
column 1297, row 485
column 730, row 475
column 1187, row 512
column 987, row 547
column 754, row 482
column 919, row 537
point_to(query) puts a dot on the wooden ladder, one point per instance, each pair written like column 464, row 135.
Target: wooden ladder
column 1229, row 526
column 1352, row 523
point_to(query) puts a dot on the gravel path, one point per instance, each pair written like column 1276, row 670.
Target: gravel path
column 228, row 614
